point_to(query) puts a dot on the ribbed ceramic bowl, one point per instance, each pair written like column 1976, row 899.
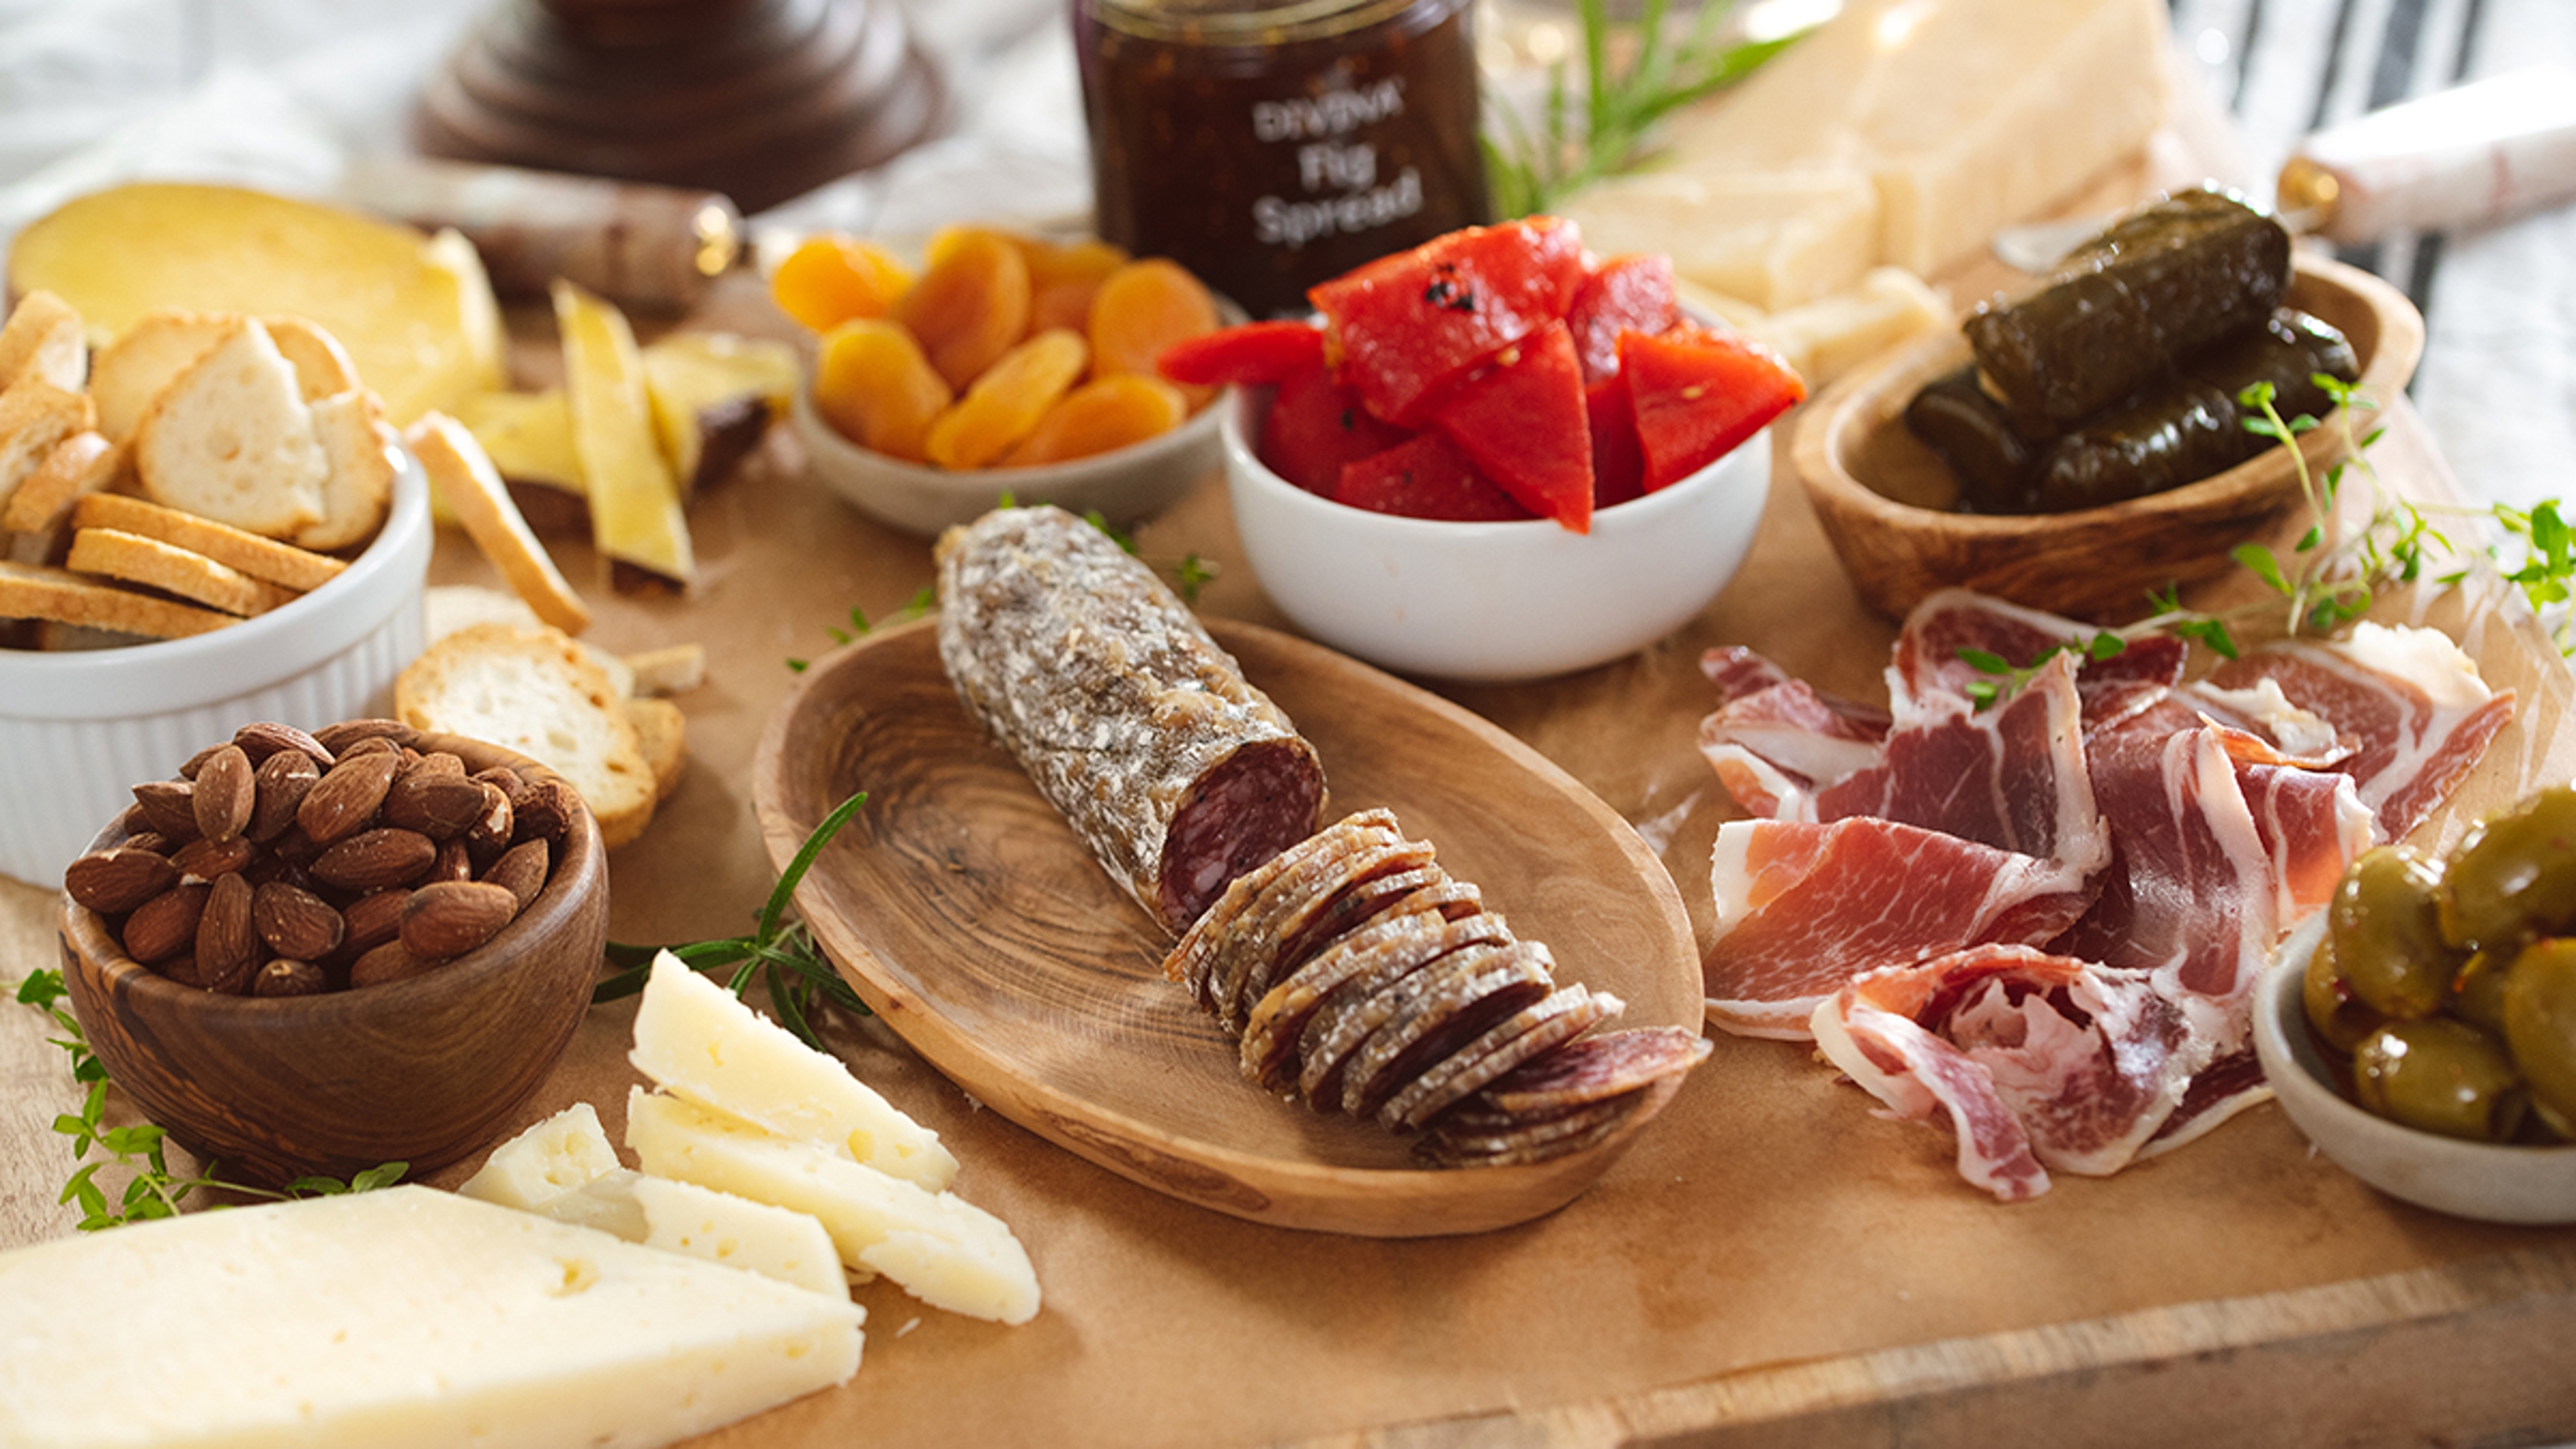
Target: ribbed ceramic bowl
column 78, row 729
column 1124, row 485
column 2494, row 1183
column 425, row 1070
column 1493, row 601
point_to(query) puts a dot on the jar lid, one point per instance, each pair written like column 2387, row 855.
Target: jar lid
column 1251, row 22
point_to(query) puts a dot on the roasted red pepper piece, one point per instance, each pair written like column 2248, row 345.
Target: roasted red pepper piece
column 1255, row 352
column 1618, row 467
column 1411, row 326
column 1630, row 293
column 1316, row 425
column 1426, row 477
column 1521, row 419
column 1696, row 394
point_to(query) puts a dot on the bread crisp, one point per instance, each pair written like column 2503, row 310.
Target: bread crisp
column 662, row 732
column 128, row 373
column 359, row 489
column 463, row 475
column 322, row 365
column 35, row 417
column 171, row 569
column 531, row 690
column 262, row 558
column 44, row 340
column 38, row 510
column 231, row 439
column 35, row 591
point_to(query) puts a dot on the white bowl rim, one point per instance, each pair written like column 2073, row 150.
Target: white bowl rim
column 2290, row 1064
column 1637, row 513
column 146, row 679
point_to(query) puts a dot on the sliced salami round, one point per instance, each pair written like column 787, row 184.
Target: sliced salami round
column 1563, row 1015
column 1442, row 1006
column 1367, row 1000
column 1595, row 1068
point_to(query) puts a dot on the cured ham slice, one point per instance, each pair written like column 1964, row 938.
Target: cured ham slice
column 2034, row 1061
column 2407, row 701
column 1930, row 670
column 1773, row 739
column 1802, row 908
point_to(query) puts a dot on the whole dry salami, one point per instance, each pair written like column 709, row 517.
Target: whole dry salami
column 1129, row 719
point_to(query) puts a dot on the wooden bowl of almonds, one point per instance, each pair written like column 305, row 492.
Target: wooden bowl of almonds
column 315, row 954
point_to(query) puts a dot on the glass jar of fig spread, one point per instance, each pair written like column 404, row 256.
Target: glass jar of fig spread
column 1268, row 146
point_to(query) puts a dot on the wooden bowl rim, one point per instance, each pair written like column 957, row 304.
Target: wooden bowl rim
column 1818, row 452
column 576, row 884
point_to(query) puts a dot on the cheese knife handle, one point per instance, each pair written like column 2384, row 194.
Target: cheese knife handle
column 2457, row 158
column 644, row 246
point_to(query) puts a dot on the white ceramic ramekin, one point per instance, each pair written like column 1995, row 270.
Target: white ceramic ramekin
column 78, row 730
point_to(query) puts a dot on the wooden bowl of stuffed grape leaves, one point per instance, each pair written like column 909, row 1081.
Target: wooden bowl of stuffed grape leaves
column 2087, row 514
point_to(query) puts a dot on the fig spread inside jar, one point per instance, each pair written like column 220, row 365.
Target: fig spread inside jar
column 1268, row 146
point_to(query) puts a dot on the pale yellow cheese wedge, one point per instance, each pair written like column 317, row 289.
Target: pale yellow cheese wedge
column 635, row 515
column 528, row 436
column 397, row 1318
column 414, row 312
column 701, row 1043
column 549, row 1159
column 942, row 1249
column 695, row 377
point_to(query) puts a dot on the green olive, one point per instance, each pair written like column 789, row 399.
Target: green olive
column 2388, row 937
column 2540, row 1022
column 2546, row 1125
column 2439, row 1075
column 2477, row 992
column 2338, row 1017
column 2514, row 875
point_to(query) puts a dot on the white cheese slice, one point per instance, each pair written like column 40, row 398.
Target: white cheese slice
column 758, row 1237
column 701, row 1043
column 1773, row 238
column 391, row 1319
column 554, row 1157
column 943, row 1250
column 1828, row 337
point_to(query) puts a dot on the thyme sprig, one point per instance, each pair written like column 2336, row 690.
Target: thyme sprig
column 152, row 1190
column 779, row 952
column 1634, row 74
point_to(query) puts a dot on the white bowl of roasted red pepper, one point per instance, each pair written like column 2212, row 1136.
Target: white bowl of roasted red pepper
column 2073, row 451
column 1495, row 456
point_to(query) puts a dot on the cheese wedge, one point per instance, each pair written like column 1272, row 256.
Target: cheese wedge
column 942, row 1249
column 635, row 515
column 554, row 1157
column 397, row 1318
column 528, row 436
column 714, row 394
column 415, row 312
column 702, row 1044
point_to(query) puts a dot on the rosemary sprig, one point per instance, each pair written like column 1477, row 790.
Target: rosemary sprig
column 153, row 1190
column 779, row 952
column 1634, row 74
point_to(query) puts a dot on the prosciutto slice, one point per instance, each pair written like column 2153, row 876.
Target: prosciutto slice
column 2034, row 1061
column 1773, row 739
column 1804, row 907
column 1929, row 670
column 2406, row 701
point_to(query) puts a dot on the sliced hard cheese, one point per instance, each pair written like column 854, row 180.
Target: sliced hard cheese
column 775, row 1242
column 395, row 1318
column 528, row 436
column 635, row 515
column 416, row 316
column 1826, row 338
column 554, row 1157
column 714, row 394
column 943, row 1250
column 1773, row 238
column 702, row 1044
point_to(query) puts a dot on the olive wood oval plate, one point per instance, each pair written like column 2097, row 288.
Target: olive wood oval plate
column 968, row 916
column 1884, row 498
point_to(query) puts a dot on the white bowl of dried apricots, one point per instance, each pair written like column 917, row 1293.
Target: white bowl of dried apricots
column 1007, row 366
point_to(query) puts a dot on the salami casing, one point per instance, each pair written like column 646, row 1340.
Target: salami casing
column 1129, row 719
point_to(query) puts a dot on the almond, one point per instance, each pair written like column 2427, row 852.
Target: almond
column 278, row 791
column 170, row 806
column 453, row 863
column 439, row 805
column 223, row 793
column 373, row 919
column 286, row 976
column 339, row 738
column 490, row 833
column 207, row 859
column 295, row 922
column 440, row 763
column 114, row 881
column 543, row 809
column 346, row 798
column 227, row 946
column 391, row 961
column 522, row 870
column 451, row 918
column 373, row 859
column 165, row 925
column 263, row 741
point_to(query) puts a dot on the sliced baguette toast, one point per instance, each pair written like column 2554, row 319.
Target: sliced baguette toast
column 532, row 690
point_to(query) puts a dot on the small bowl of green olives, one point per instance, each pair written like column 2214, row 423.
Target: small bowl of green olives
column 2421, row 1030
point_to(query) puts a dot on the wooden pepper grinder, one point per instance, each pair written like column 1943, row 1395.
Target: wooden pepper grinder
column 762, row 100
